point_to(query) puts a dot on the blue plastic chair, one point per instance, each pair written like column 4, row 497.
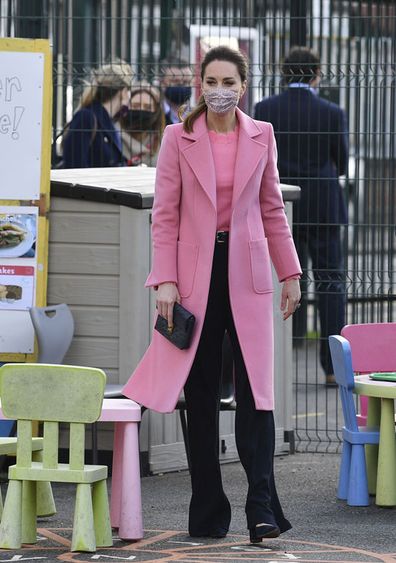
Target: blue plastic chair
column 352, row 483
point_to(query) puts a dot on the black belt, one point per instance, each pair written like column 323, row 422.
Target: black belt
column 222, row 237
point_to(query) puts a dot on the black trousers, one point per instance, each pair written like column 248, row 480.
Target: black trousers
column 322, row 243
column 210, row 511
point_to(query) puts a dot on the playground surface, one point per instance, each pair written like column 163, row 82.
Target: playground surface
column 324, row 528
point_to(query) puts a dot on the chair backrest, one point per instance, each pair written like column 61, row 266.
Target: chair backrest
column 54, row 328
column 342, row 364
column 52, row 394
column 373, row 346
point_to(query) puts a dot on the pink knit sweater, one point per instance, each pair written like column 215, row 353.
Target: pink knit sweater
column 224, row 149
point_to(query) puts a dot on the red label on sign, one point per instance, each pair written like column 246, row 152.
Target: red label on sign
column 16, row 270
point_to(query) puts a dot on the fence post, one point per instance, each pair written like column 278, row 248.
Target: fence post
column 165, row 30
column 298, row 23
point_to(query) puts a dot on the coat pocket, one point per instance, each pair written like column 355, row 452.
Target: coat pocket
column 187, row 257
column 261, row 266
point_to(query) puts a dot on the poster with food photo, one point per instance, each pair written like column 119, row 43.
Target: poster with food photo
column 18, row 234
column 16, row 287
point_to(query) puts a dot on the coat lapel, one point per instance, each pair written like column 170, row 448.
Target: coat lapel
column 198, row 154
column 249, row 153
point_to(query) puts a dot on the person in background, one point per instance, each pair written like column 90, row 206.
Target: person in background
column 142, row 125
column 312, row 139
column 176, row 82
column 218, row 220
column 91, row 140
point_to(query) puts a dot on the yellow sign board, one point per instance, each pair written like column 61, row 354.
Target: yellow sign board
column 25, row 161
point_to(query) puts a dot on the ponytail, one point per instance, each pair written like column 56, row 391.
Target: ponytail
column 188, row 122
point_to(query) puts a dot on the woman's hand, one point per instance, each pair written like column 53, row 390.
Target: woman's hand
column 167, row 295
column 291, row 296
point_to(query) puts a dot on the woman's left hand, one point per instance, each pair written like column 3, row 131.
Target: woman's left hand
column 291, row 296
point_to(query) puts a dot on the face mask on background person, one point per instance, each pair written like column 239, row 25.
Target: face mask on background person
column 178, row 94
column 139, row 119
column 220, row 100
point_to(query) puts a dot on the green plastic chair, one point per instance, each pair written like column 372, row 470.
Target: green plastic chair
column 45, row 503
column 54, row 394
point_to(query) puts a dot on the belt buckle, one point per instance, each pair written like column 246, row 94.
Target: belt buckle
column 220, row 237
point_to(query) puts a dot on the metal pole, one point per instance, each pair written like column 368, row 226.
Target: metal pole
column 165, row 30
column 298, row 22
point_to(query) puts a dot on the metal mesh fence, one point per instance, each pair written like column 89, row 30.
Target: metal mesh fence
column 356, row 43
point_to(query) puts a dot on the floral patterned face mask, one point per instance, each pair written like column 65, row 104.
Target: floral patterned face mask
column 220, row 100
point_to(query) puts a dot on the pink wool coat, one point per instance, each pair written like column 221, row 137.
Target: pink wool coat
column 183, row 231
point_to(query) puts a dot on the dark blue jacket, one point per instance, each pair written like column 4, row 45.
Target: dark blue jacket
column 91, row 140
column 312, row 142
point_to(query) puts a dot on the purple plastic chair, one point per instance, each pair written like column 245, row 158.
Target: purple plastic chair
column 352, row 483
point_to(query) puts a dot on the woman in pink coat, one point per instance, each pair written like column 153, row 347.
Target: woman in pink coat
column 218, row 221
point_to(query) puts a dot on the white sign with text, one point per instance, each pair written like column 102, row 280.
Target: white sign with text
column 21, row 108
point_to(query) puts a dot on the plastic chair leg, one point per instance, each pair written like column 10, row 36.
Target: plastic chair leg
column 373, row 420
column 131, row 522
column 386, row 482
column 44, row 497
column 29, row 519
column 11, row 522
column 101, row 515
column 343, row 480
column 83, row 538
column 358, row 487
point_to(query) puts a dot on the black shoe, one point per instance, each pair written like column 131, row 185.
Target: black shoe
column 262, row 531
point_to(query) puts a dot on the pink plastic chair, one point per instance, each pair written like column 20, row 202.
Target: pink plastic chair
column 126, row 502
column 373, row 347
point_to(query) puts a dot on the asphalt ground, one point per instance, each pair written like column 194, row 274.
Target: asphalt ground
column 324, row 528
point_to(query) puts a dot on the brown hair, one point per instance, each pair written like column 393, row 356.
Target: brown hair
column 221, row 53
column 300, row 65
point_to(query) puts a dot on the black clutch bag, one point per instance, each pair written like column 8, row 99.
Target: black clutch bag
column 183, row 325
